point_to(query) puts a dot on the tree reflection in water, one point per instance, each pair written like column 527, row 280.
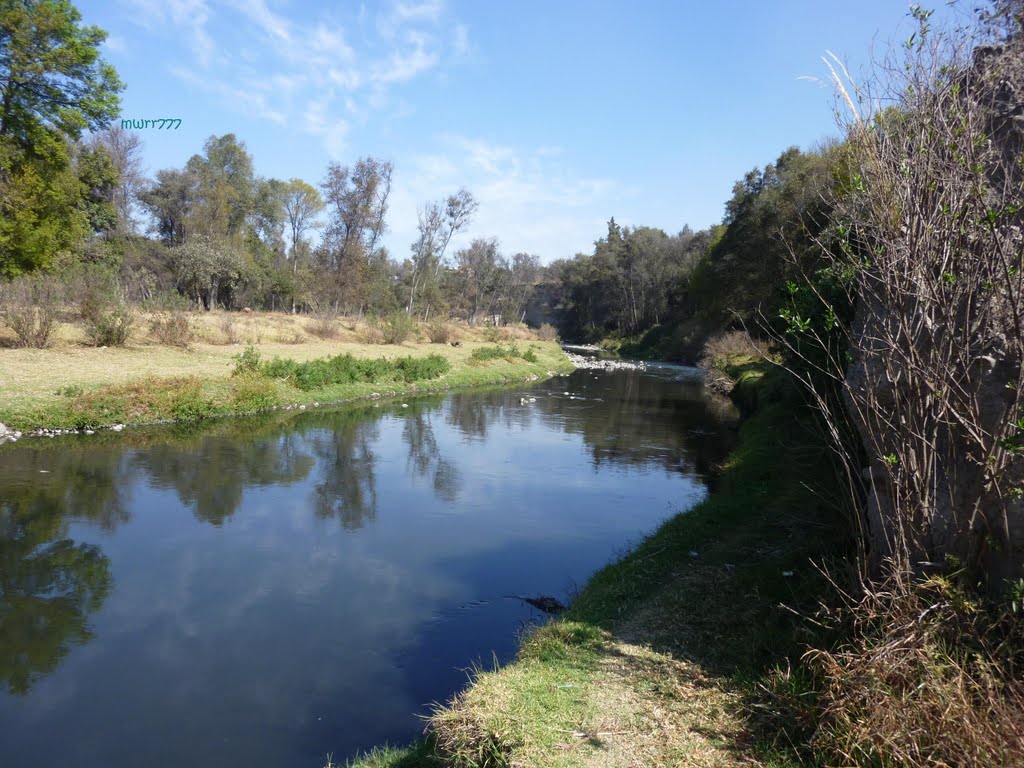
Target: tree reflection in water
column 50, row 584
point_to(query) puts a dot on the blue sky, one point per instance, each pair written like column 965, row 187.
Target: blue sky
column 556, row 115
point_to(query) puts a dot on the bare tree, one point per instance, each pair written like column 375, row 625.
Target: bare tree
column 927, row 230
column 357, row 201
column 125, row 150
column 437, row 226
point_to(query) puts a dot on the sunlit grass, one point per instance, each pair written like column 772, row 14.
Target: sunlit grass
column 138, row 383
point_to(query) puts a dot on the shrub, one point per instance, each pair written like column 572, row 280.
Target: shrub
column 325, row 324
column 492, row 334
column 439, row 332
column 420, row 368
column 398, row 327
column 252, row 392
column 928, row 678
column 729, row 346
column 247, row 361
column 30, row 308
column 174, row 329
column 72, row 390
column 229, row 329
column 510, row 353
column 189, row 404
column 370, row 334
column 109, row 327
column 547, row 332
column 345, row 369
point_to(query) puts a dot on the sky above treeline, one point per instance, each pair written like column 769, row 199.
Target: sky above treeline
column 555, row 115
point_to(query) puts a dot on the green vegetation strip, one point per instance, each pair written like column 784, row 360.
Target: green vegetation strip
column 256, row 386
column 662, row 656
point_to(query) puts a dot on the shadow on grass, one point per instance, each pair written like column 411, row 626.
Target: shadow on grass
column 694, row 623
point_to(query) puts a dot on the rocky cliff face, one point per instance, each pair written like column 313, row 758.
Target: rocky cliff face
column 933, row 388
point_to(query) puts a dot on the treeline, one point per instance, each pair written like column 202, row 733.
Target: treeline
column 217, row 235
column 74, row 202
column 668, row 293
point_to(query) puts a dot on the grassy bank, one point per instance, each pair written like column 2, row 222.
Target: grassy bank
column 74, row 386
column 661, row 658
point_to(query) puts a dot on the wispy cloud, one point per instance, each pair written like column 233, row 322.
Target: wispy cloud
column 405, row 65
column 268, row 65
column 529, row 199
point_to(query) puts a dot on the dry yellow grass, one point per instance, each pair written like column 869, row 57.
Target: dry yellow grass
column 30, row 378
column 604, row 702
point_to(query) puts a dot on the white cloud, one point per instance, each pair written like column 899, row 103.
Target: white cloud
column 318, row 121
column 429, row 10
column 248, row 99
column 402, row 66
column 269, row 65
column 116, row 44
column 528, row 199
column 461, row 45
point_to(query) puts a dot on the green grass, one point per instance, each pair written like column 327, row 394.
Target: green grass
column 661, row 656
column 261, row 386
column 343, row 369
column 509, row 353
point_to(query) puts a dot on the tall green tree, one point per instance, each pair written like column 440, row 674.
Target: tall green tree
column 51, row 73
column 53, row 85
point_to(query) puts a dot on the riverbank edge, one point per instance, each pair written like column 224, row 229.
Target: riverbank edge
column 667, row 655
column 154, row 400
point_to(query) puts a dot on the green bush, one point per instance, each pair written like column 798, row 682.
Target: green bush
column 510, row 353
column 253, row 393
column 345, row 369
column 398, row 327
column 109, row 327
column 421, row 368
column 190, row 405
column 247, row 361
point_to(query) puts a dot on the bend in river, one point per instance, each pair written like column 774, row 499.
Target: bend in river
column 265, row 591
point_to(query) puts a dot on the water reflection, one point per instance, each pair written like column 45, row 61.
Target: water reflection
column 347, row 489
column 49, row 583
column 425, row 459
column 297, row 579
column 211, row 473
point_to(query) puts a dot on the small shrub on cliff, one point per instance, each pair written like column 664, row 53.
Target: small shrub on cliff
column 547, row 332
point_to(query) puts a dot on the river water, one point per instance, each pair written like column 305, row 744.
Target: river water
column 263, row 592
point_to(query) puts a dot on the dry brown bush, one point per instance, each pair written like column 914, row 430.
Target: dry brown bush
column 370, row 334
column 922, row 683
column 174, row 329
column 732, row 345
column 229, row 329
column 440, row 332
column 927, row 232
column 325, row 324
column 31, row 306
column 547, row 332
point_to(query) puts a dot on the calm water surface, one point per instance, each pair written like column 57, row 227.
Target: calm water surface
column 263, row 592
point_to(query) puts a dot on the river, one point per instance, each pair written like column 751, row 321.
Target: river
column 265, row 591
